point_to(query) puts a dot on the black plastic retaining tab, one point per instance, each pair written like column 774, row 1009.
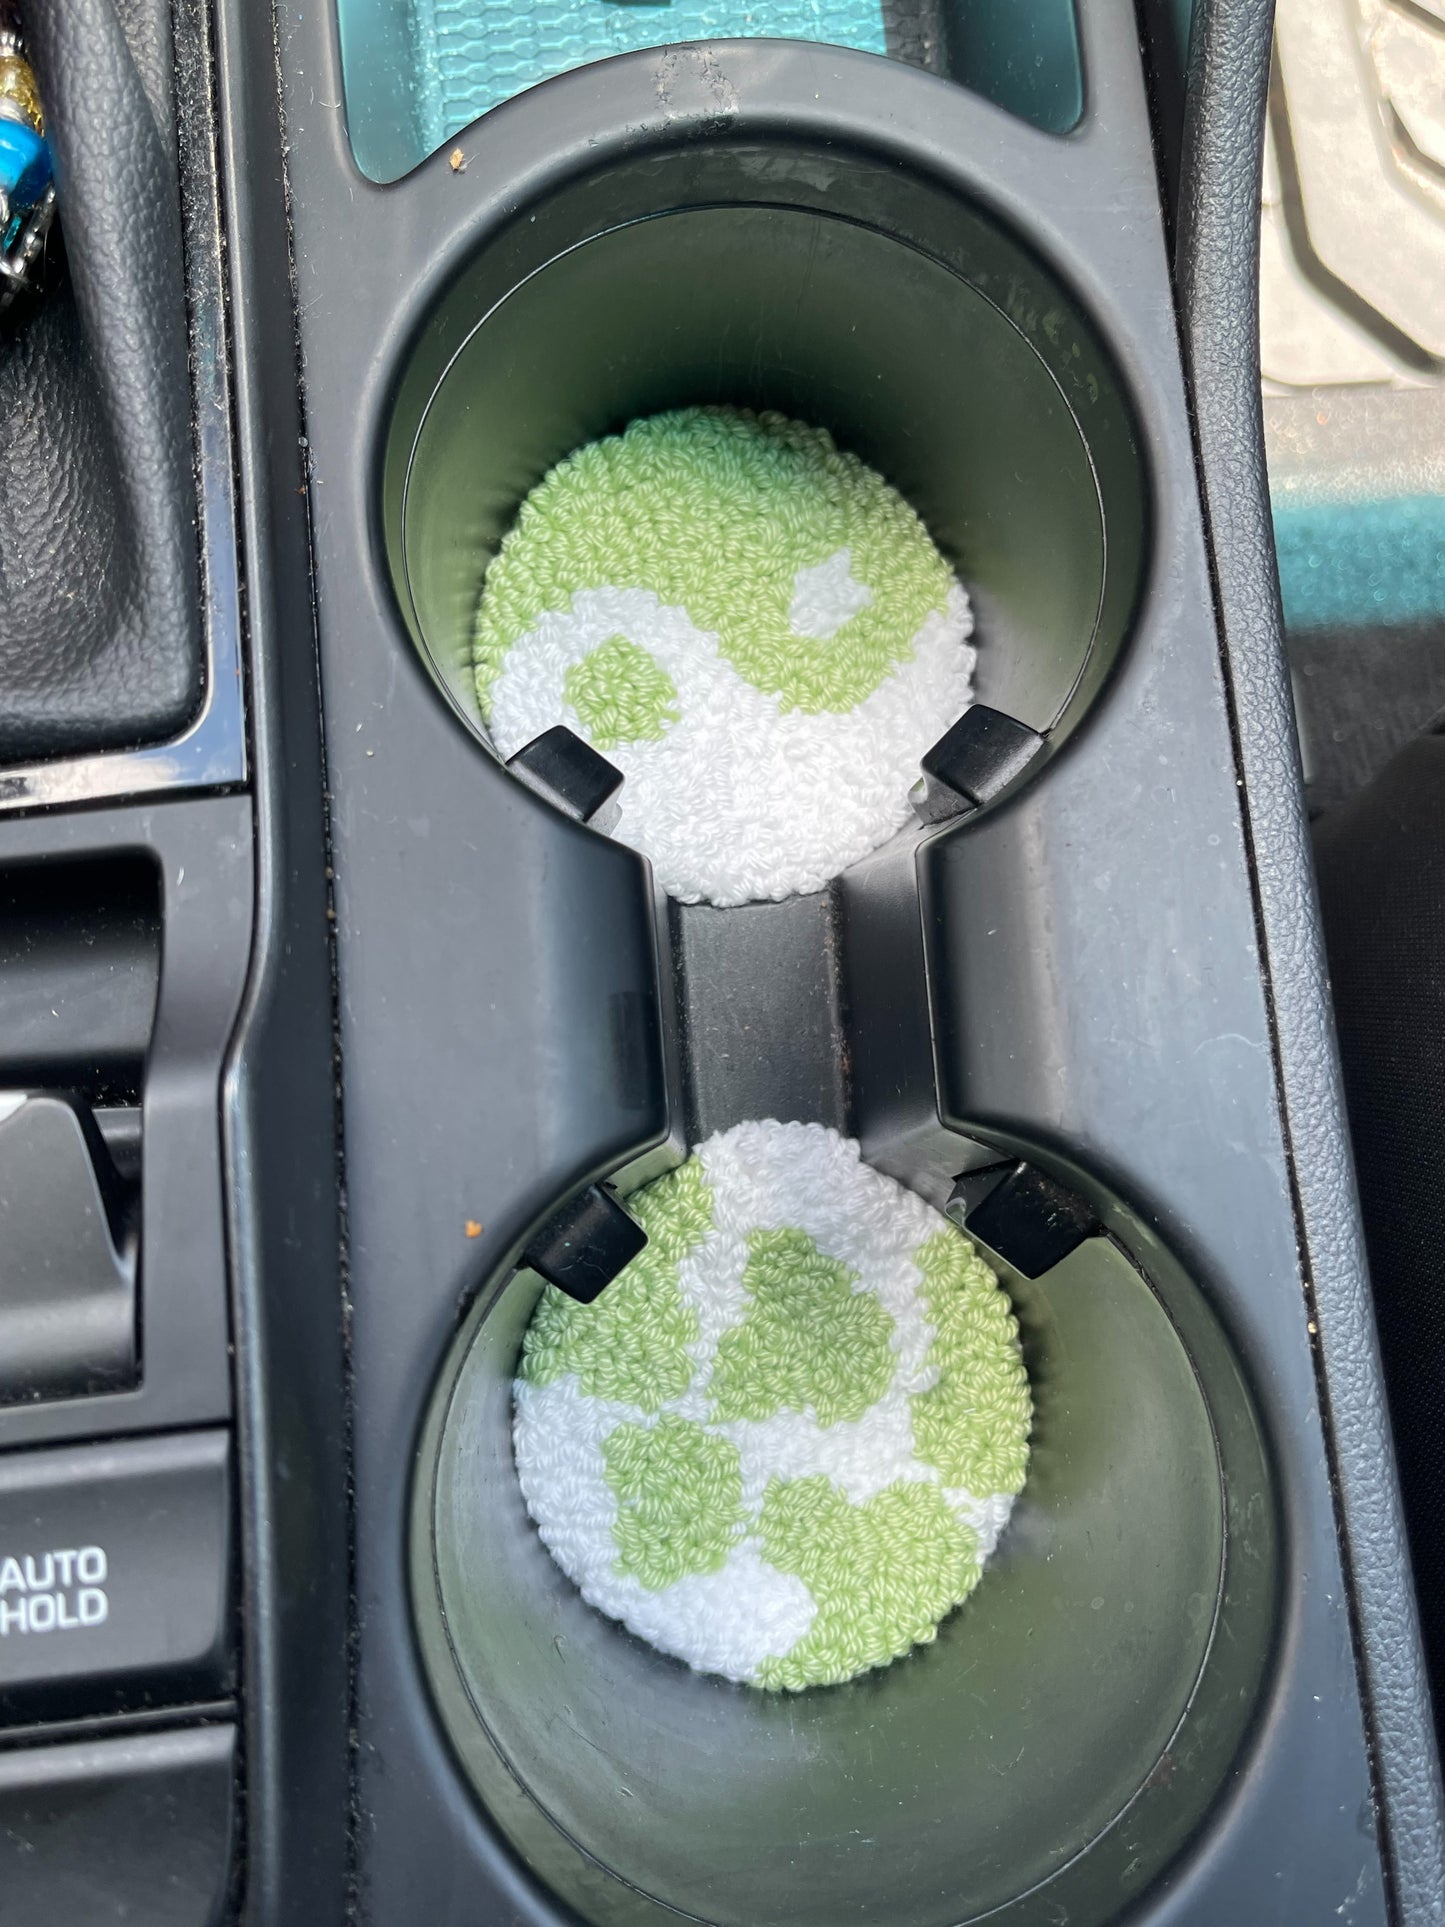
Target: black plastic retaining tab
column 1023, row 1215
column 971, row 762
column 67, row 1254
column 570, row 773
column 972, row 1186
column 582, row 1249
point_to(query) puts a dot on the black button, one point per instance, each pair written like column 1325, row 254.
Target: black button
column 67, row 1254
column 110, row 1830
column 114, row 1575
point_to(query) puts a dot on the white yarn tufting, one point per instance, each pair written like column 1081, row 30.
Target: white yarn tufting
column 751, row 624
column 746, row 1613
column 741, row 799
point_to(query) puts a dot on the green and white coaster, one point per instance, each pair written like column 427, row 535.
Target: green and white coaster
column 782, row 1443
column 752, row 625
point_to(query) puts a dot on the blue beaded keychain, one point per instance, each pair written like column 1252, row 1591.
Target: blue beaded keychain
column 27, row 185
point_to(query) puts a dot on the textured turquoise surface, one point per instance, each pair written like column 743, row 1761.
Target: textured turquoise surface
column 474, row 54
column 24, row 164
column 1354, row 564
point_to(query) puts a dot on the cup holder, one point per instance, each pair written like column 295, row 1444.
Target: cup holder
column 1076, row 1719
column 838, row 290
column 1090, row 1695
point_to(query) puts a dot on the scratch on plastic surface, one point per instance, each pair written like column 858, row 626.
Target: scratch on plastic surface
column 1227, row 1037
column 1346, row 1908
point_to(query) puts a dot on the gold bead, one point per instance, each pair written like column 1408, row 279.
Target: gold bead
column 18, row 91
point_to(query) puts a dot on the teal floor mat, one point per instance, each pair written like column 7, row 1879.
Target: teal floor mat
column 471, row 57
column 1344, row 563
column 1363, row 588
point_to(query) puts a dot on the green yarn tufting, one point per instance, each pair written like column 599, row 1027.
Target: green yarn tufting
column 679, row 1499
column 808, row 1341
column 883, row 1573
column 621, row 695
column 633, row 1348
column 974, row 1423
column 716, row 511
column 779, row 1450
column 753, row 627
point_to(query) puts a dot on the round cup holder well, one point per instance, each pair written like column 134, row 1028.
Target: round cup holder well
column 841, row 292
column 1082, row 1698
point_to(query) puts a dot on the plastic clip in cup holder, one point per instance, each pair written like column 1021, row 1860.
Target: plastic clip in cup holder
column 584, row 1246
column 570, row 773
column 971, row 763
column 1030, row 1220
